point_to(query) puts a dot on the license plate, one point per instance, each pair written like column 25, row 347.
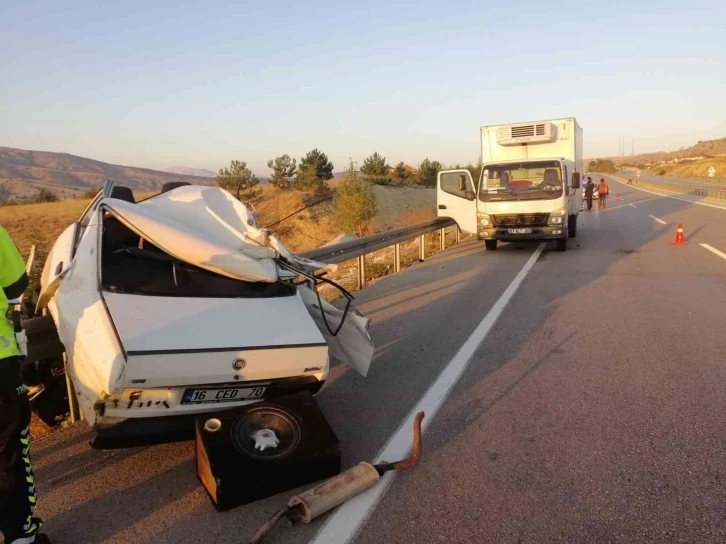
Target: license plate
column 520, row 231
column 224, row 394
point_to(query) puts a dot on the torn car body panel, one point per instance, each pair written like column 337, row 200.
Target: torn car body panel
column 181, row 295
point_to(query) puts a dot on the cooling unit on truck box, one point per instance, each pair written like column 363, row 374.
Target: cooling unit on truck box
column 531, row 133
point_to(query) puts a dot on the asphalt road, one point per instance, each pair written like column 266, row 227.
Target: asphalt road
column 666, row 180
column 594, row 411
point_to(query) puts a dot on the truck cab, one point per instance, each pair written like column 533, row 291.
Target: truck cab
column 522, row 193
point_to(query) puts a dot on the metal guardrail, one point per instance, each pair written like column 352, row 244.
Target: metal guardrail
column 345, row 251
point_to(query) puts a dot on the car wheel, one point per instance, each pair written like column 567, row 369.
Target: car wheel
column 491, row 245
column 572, row 226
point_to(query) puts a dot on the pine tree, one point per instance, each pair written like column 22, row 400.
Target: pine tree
column 236, row 179
column 400, row 174
column 323, row 167
column 283, row 171
column 428, row 172
column 307, row 179
column 375, row 169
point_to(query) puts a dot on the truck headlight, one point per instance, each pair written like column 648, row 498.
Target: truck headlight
column 484, row 220
column 557, row 217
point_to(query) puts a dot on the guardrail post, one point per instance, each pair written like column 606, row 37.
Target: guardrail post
column 443, row 239
column 458, row 233
column 422, row 247
column 361, row 271
column 396, row 258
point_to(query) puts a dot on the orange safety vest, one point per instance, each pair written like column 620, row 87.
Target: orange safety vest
column 603, row 188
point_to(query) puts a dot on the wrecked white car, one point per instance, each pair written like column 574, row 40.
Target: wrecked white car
column 179, row 305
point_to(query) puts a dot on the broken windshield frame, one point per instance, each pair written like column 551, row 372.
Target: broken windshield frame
column 526, row 180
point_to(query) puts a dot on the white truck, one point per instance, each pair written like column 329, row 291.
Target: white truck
column 529, row 184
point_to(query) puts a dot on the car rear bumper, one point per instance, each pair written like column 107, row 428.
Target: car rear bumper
column 144, row 405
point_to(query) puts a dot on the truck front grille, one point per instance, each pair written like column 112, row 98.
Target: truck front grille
column 521, row 220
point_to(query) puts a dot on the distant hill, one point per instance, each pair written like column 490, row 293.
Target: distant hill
column 186, row 171
column 704, row 148
column 23, row 172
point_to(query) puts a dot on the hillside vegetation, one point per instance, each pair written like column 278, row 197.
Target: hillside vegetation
column 697, row 168
column 705, row 148
column 23, row 172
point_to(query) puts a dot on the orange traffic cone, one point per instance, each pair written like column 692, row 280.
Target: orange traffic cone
column 680, row 239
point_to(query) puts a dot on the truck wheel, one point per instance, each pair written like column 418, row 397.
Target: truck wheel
column 562, row 244
column 491, row 245
column 572, row 226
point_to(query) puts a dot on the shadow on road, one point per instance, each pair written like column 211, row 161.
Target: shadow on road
column 118, row 510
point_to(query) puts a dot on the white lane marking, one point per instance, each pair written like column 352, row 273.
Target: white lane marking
column 659, row 220
column 714, row 251
column 669, row 196
column 632, row 205
column 345, row 523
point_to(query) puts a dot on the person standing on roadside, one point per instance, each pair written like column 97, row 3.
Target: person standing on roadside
column 589, row 192
column 17, row 483
column 602, row 191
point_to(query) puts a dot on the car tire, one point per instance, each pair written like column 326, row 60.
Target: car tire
column 562, row 244
column 572, row 226
column 490, row 245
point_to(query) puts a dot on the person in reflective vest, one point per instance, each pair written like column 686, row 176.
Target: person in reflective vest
column 17, row 483
column 602, row 191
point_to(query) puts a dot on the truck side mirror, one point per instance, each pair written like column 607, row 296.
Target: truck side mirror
column 462, row 182
column 575, row 180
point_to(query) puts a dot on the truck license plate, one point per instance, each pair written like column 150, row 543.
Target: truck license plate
column 225, row 394
column 520, row 231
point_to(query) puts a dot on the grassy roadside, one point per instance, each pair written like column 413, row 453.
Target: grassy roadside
column 693, row 170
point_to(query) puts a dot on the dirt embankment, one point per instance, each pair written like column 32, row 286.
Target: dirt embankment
column 697, row 168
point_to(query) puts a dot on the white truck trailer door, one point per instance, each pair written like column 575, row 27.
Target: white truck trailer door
column 456, row 198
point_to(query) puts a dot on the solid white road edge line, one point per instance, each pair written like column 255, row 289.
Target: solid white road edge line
column 669, row 196
column 659, row 220
column 345, row 523
column 714, row 251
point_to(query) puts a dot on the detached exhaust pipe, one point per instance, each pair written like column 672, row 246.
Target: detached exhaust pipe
column 333, row 492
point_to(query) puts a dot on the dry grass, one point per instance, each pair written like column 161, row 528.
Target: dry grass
column 308, row 229
column 39, row 224
column 693, row 168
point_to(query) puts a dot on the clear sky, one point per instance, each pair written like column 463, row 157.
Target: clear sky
column 157, row 83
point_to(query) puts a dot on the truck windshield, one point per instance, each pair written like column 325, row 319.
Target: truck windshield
column 531, row 180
